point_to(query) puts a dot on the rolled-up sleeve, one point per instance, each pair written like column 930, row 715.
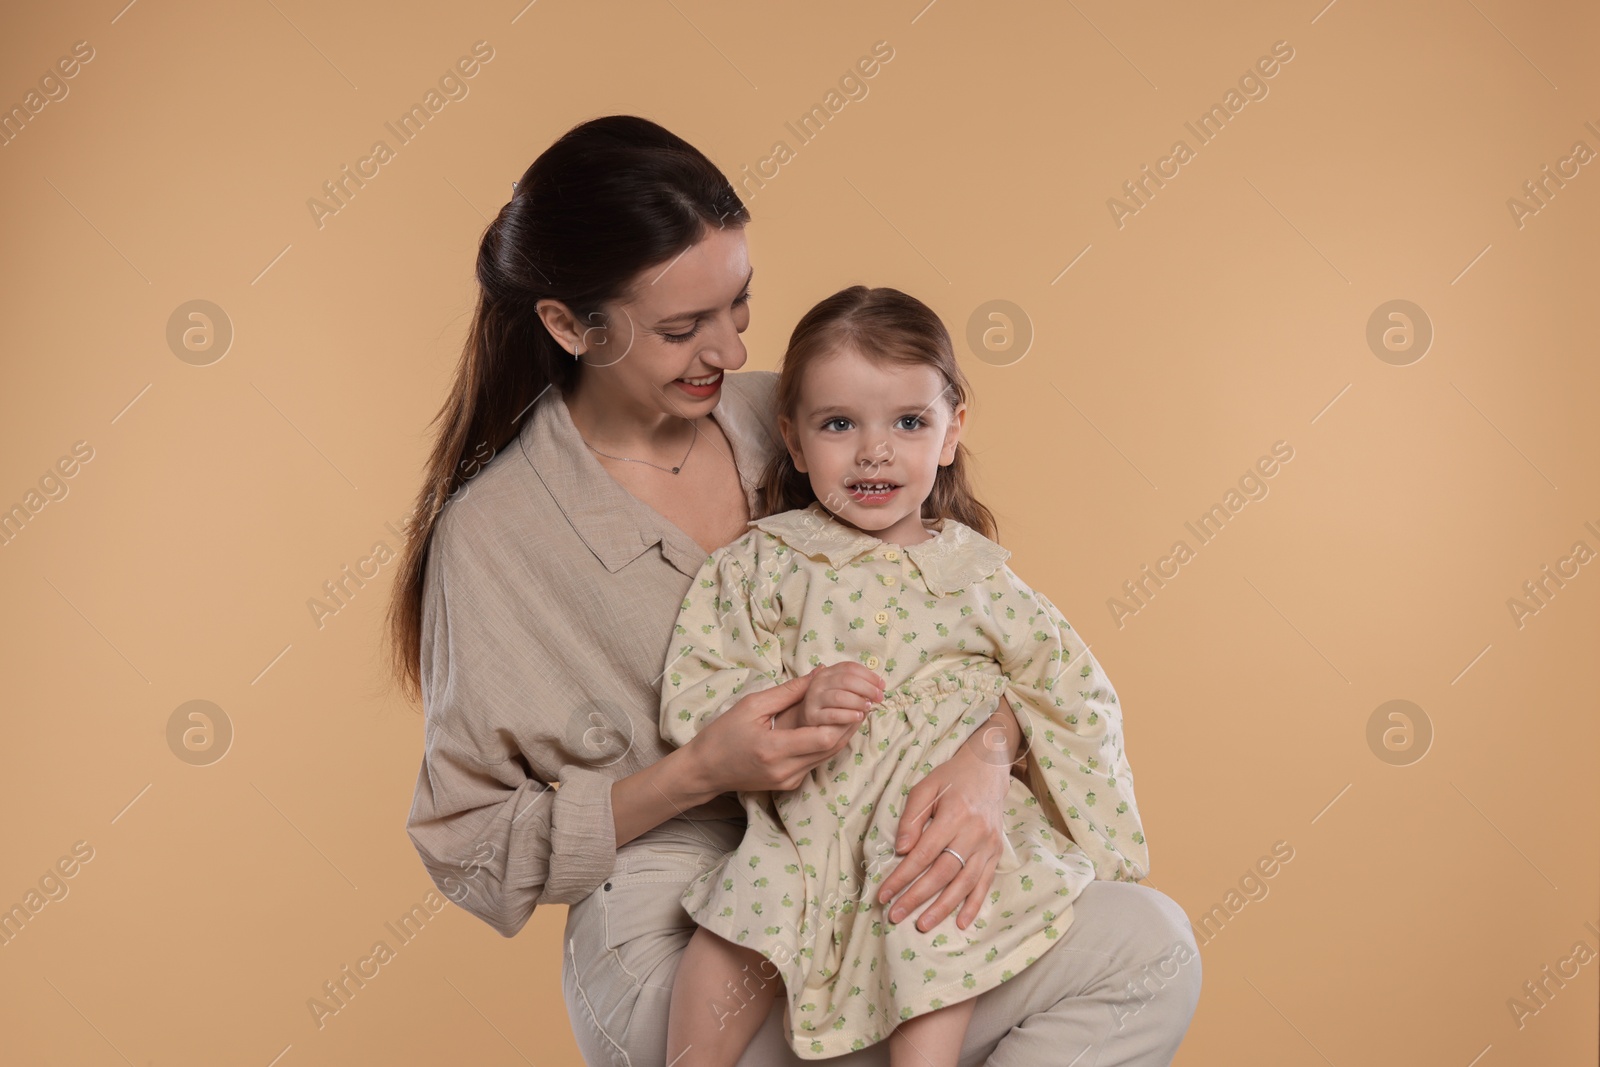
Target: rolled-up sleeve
column 497, row 835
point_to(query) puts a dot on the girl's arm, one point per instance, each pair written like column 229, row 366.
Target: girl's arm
column 1077, row 766
column 723, row 644
column 1077, row 760
column 722, row 689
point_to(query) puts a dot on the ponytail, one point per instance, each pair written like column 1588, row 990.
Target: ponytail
column 612, row 197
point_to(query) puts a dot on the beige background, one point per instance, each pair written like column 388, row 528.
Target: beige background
column 1229, row 313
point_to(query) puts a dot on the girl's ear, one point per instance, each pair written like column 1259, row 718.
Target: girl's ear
column 952, row 435
column 791, row 440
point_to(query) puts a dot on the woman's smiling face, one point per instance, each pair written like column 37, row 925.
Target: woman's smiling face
column 671, row 337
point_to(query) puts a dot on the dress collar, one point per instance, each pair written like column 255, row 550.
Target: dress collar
column 616, row 525
column 954, row 558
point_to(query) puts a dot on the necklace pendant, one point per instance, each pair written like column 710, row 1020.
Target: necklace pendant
column 674, row 470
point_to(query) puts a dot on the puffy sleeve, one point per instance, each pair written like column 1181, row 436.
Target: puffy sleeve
column 725, row 644
column 1069, row 714
column 498, row 831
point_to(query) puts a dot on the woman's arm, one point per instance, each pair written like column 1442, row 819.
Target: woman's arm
column 500, row 827
column 649, row 797
column 999, row 740
column 956, row 805
column 498, row 842
column 737, row 750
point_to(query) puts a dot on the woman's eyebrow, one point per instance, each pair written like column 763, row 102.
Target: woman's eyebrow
column 683, row 315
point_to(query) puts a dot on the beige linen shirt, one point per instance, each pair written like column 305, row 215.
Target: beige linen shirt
column 550, row 594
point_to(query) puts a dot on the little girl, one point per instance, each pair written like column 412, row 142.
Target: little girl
column 874, row 571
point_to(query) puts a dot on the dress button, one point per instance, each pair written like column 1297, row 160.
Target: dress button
column 891, row 555
column 881, row 617
column 608, row 886
column 872, row 662
column 888, row 579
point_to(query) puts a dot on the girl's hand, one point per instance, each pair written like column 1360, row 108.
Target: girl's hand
column 957, row 805
column 840, row 695
column 740, row 749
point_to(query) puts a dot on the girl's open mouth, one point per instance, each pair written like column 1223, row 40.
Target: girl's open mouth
column 872, row 492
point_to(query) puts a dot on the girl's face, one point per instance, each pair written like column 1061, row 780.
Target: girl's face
column 871, row 434
column 665, row 346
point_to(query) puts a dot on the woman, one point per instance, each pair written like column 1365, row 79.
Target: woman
column 594, row 451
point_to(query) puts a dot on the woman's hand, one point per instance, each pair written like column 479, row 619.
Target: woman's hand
column 741, row 749
column 957, row 805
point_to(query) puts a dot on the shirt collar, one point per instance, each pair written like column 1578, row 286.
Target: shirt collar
column 955, row 557
column 616, row 525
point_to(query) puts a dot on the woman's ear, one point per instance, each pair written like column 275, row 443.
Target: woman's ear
column 561, row 322
column 952, row 435
column 791, row 441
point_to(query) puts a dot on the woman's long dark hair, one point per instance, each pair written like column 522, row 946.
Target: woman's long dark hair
column 613, row 196
column 883, row 324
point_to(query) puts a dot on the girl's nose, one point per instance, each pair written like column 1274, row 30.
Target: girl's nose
column 873, row 454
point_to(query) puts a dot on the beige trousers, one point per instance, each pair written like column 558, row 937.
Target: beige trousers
column 1118, row 988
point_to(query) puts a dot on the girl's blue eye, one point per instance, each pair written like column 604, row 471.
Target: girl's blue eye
column 915, row 422
column 838, row 425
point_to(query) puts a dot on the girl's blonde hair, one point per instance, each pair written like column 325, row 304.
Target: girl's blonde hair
column 883, row 324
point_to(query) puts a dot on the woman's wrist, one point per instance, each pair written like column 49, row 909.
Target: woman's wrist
column 998, row 741
column 685, row 778
column 653, row 794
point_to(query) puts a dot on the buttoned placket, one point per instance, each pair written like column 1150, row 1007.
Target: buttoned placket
column 892, row 585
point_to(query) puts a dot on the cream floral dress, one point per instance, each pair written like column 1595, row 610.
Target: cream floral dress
column 951, row 629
